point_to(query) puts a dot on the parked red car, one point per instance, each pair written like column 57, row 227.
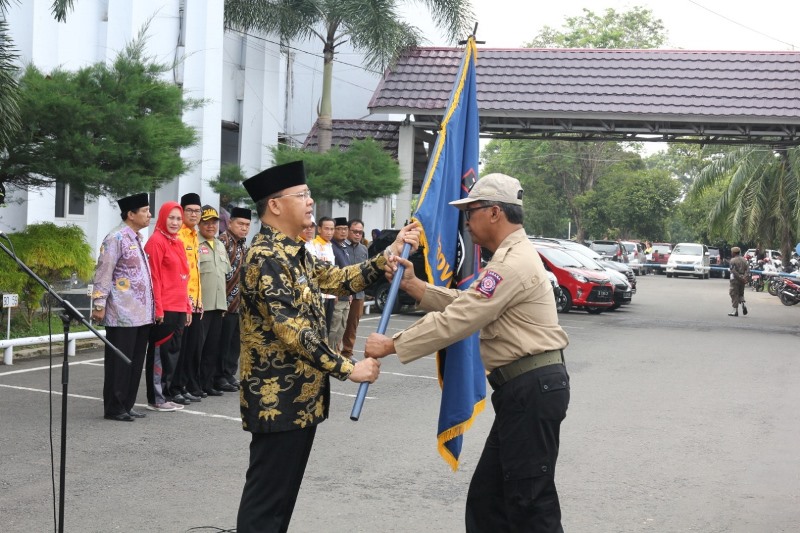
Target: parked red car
column 660, row 256
column 583, row 288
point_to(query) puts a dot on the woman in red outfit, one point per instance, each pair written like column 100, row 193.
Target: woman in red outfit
column 170, row 273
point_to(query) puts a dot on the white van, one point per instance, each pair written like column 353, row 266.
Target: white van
column 689, row 259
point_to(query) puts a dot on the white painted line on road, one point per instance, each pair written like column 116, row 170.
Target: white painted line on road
column 142, row 405
column 29, row 389
column 409, row 375
column 207, row 415
column 200, row 413
column 89, row 361
column 352, row 395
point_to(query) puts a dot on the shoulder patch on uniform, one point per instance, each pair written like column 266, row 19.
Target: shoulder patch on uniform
column 489, row 283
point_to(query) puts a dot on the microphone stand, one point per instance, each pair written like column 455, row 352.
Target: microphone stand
column 69, row 313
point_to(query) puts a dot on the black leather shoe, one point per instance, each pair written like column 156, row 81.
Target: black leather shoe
column 136, row 414
column 122, row 417
column 192, row 397
column 735, row 313
column 235, row 383
column 213, row 392
column 178, row 398
column 227, row 387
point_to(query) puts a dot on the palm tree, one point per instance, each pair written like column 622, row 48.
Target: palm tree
column 9, row 91
column 373, row 27
column 761, row 198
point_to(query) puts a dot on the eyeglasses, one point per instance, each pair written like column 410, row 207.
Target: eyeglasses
column 468, row 212
column 305, row 195
column 192, row 211
column 357, row 231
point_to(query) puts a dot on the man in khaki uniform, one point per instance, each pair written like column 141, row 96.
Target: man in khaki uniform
column 512, row 303
column 214, row 266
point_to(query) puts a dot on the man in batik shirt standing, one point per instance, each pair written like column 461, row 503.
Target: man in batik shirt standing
column 286, row 362
column 234, row 239
column 123, row 303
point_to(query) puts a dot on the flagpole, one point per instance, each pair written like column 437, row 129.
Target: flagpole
column 383, row 325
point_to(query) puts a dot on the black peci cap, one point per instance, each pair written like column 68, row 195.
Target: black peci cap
column 191, row 198
column 272, row 180
column 133, row 202
column 241, row 212
column 340, row 221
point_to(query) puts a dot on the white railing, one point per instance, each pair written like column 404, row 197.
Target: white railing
column 8, row 345
column 367, row 305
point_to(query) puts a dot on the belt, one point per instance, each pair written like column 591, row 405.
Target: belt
column 503, row 374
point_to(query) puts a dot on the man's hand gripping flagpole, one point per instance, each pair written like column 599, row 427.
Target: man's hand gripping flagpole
column 383, row 325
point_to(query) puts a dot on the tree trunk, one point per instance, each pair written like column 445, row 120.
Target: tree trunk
column 325, row 119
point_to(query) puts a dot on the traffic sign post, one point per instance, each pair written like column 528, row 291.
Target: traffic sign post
column 9, row 301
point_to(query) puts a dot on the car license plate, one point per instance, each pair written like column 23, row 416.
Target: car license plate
column 604, row 292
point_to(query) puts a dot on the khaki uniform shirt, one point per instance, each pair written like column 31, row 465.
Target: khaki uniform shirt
column 214, row 266
column 285, row 360
column 511, row 303
column 740, row 270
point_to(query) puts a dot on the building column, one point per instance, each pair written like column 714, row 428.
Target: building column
column 405, row 157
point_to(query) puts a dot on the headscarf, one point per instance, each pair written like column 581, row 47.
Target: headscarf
column 163, row 214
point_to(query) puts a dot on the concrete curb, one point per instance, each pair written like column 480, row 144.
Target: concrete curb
column 43, row 350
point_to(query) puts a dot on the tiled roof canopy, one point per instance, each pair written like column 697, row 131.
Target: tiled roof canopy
column 592, row 94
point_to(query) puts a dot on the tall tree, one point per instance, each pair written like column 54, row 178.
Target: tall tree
column 102, row 130
column 9, row 90
column 636, row 28
column 373, row 27
column 628, row 204
column 761, row 200
column 362, row 173
column 573, row 168
column 545, row 211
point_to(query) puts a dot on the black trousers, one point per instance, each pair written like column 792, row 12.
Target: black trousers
column 187, row 376
column 121, row 381
column 229, row 347
column 277, row 464
column 329, row 304
column 170, row 329
column 210, row 356
column 513, row 488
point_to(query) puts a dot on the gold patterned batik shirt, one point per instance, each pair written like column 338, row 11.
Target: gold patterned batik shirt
column 285, row 360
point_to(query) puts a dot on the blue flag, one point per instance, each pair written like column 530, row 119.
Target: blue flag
column 451, row 260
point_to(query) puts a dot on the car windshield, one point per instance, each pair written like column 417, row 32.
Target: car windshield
column 661, row 249
column 560, row 258
column 586, row 262
column 583, row 250
column 713, row 252
column 629, row 247
column 610, row 248
column 688, row 249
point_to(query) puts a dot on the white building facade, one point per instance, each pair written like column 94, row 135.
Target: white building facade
column 254, row 94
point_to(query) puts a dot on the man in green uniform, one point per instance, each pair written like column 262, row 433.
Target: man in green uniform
column 213, row 265
column 513, row 487
column 285, row 361
column 740, row 273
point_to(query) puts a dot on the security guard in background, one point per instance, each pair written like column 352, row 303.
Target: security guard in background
column 512, row 303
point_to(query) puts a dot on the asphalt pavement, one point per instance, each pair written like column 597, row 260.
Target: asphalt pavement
column 681, row 419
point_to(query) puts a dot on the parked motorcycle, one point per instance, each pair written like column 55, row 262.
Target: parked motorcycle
column 776, row 285
column 790, row 295
column 756, row 278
